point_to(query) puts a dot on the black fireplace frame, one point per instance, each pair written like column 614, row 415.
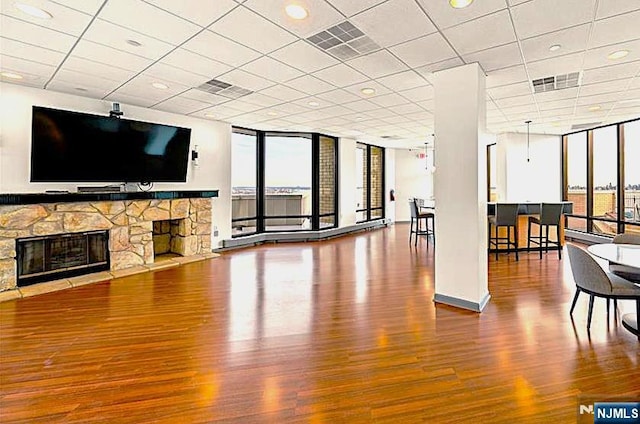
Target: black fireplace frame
column 62, row 272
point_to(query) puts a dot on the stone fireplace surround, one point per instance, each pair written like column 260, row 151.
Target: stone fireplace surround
column 128, row 217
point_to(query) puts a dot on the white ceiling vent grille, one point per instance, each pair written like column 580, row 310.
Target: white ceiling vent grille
column 557, row 82
column 344, row 41
column 222, row 88
column 585, row 126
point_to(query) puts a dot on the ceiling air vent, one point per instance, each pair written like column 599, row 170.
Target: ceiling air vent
column 222, row 88
column 585, row 126
column 344, row 41
column 557, row 82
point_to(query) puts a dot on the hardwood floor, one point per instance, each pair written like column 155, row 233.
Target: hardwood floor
column 341, row 331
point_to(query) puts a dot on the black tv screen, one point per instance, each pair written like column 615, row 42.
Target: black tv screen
column 78, row 147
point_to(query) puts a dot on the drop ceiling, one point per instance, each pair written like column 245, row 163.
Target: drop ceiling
column 116, row 49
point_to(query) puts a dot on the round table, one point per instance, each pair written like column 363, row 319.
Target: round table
column 627, row 255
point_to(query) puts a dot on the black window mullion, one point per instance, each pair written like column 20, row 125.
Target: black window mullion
column 260, row 190
column 589, row 181
column 368, row 206
column 621, row 179
column 315, row 182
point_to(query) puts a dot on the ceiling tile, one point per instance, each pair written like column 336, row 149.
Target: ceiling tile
column 357, row 89
column 193, row 62
column 411, row 22
column 173, row 74
column 109, row 34
column 427, row 71
column 245, row 80
column 243, row 106
column 261, row 100
column 97, row 69
column 130, row 99
column 361, row 106
column 248, row 28
column 446, row 16
column 340, row 75
column 205, row 97
column 425, row 50
column 609, row 73
column 557, row 104
column 140, row 86
column 377, row 64
column 387, row 100
column 338, row 96
column 66, row 20
column 418, row 94
column 147, row 19
column 310, row 85
column 403, row 81
column 514, row 101
column 482, row 33
column 77, row 89
column 571, row 40
column 87, row 81
column 352, row 7
column 220, row 49
column 555, row 66
column 272, row 69
column 616, row 29
column 34, row 34
column 109, row 56
column 597, row 57
column 542, row 16
column 506, row 76
column 605, row 87
column 608, row 8
column 304, row 56
column 550, row 96
column 282, row 92
column 218, row 112
column 87, row 6
column 27, row 51
column 511, row 90
column 22, row 66
column 497, row 57
column 181, row 105
column 198, row 12
column 321, row 15
column 599, row 98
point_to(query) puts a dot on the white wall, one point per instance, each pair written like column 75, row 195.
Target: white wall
column 213, row 140
column 537, row 180
column 412, row 179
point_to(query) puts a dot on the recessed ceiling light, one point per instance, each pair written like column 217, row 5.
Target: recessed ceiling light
column 314, row 104
column 272, row 113
column 555, row 47
column 368, row 91
column 33, row 11
column 11, row 75
column 134, row 43
column 81, row 89
column 209, row 115
column 359, row 118
column 159, row 86
column 295, row 11
column 459, row 4
column 618, row 54
column 595, row 108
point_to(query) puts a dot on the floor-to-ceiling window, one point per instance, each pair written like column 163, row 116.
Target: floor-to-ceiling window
column 602, row 178
column 244, row 182
column 283, row 181
column 369, row 182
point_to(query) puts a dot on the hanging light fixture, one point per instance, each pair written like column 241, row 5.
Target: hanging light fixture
column 528, row 122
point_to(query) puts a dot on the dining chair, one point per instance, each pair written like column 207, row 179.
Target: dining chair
column 550, row 214
column 626, row 272
column 417, row 217
column 506, row 216
column 591, row 279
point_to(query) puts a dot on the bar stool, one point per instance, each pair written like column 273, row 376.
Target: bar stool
column 506, row 216
column 550, row 214
column 417, row 217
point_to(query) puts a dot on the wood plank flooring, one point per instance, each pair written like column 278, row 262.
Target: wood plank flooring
column 340, row 331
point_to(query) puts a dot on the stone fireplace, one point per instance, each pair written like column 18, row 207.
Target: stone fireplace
column 129, row 223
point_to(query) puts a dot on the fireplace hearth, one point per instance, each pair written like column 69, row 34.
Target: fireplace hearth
column 62, row 255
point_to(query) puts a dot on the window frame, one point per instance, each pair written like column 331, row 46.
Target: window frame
column 368, row 209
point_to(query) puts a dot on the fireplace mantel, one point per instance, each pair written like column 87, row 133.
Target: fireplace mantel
column 66, row 197
column 127, row 216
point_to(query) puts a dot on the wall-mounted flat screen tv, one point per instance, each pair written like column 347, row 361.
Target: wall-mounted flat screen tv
column 78, row 147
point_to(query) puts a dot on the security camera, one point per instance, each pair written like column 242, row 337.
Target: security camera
column 115, row 111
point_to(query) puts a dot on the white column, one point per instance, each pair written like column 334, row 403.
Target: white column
column 460, row 188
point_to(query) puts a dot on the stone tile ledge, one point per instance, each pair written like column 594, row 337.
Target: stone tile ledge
column 82, row 280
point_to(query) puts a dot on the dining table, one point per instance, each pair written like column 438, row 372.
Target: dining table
column 627, row 255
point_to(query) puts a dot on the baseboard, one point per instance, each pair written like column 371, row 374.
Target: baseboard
column 461, row 303
column 299, row 236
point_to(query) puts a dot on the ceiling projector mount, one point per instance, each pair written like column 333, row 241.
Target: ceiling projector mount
column 115, row 111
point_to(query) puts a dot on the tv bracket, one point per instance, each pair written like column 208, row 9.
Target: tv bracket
column 115, row 112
